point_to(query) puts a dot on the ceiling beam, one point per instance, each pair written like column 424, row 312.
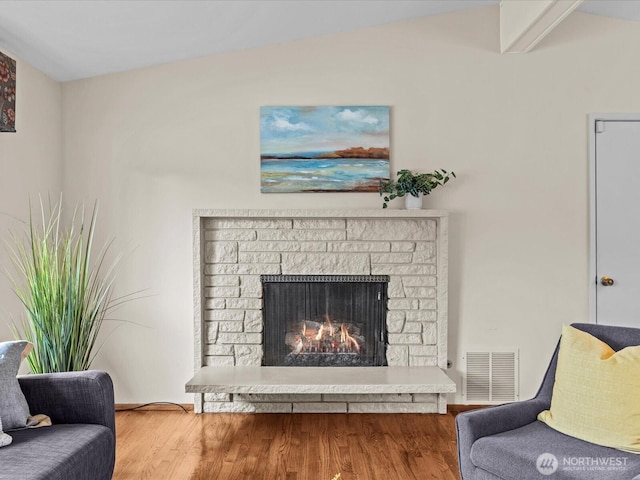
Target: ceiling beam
column 523, row 23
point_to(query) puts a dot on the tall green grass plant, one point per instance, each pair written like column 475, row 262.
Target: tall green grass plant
column 66, row 292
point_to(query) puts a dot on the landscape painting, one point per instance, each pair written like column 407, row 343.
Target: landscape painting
column 324, row 149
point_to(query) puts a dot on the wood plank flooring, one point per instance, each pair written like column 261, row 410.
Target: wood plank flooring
column 173, row 445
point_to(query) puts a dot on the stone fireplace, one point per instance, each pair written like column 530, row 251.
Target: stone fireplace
column 241, row 258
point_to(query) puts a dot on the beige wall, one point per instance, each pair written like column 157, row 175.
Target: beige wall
column 154, row 143
column 30, row 165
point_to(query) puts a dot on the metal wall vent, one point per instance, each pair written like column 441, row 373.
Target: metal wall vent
column 491, row 377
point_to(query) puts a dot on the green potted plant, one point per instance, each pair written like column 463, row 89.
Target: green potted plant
column 65, row 291
column 413, row 186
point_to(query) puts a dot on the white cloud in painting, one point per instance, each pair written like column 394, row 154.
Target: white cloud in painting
column 357, row 116
column 283, row 124
column 290, row 129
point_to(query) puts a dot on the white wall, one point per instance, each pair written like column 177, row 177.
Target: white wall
column 154, row 143
column 30, row 165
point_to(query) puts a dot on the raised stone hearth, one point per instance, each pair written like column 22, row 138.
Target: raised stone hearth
column 232, row 248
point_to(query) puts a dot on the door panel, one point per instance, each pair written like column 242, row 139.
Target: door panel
column 617, row 185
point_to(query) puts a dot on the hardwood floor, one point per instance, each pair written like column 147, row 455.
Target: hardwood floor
column 173, row 445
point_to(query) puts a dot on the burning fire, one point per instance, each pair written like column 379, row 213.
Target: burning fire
column 320, row 332
column 325, row 338
column 349, row 340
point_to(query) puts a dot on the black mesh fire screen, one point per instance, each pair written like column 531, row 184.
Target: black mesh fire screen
column 325, row 320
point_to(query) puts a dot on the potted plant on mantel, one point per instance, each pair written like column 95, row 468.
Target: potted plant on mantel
column 413, row 186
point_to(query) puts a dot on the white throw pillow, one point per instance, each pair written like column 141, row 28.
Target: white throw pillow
column 4, row 438
column 14, row 410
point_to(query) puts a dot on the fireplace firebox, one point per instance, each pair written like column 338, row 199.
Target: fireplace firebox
column 325, row 320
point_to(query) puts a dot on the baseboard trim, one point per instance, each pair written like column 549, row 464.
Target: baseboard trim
column 457, row 408
column 152, row 406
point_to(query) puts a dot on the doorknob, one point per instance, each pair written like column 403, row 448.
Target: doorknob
column 606, row 281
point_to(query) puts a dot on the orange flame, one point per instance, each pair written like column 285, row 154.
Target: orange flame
column 320, row 332
column 331, row 329
column 348, row 339
column 355, row 344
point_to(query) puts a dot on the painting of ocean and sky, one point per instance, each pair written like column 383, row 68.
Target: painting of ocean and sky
column 324, row 149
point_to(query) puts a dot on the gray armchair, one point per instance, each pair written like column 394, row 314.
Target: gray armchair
column 506, row 442
column 80, row 445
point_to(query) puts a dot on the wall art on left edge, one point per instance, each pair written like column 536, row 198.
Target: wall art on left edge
column 323, row 149
column 7, row 94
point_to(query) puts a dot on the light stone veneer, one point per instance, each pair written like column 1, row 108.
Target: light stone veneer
column 232, row 248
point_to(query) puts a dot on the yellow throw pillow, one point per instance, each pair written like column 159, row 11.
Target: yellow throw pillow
column 596, row 392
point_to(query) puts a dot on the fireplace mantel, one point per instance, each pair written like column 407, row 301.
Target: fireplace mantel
column 338, row 380
column 232, row 248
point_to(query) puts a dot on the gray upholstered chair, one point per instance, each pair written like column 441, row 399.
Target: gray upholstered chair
column 505, row 442
column 80, row 445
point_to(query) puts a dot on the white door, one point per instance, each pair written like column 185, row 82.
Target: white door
column 617, row 221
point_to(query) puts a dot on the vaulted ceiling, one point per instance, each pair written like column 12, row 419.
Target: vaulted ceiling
column 71, row 39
